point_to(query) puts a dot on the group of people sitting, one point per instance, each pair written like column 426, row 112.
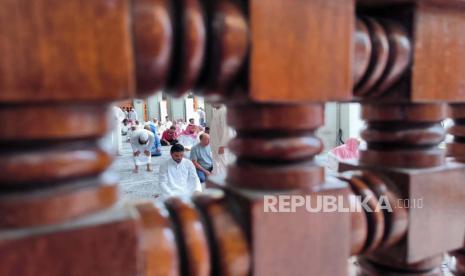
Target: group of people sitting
column 177, row 171
column 191, row 160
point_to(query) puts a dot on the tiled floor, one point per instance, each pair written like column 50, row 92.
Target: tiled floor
column 143, row 185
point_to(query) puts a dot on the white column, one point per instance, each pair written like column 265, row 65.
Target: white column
column 177, row 108
column 153, row 106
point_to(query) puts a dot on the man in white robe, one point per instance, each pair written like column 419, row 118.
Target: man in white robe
column 220, row 134
column 167, row 122
column 132, row 115
column 142, row 142
column 117, row 140
column 178, row 176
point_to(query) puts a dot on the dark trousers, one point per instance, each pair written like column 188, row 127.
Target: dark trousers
column 163, row 143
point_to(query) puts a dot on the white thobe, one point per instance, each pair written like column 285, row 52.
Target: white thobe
column 142, row 159
column 168, row 124
column 178, row 179
column 220, row 134
column 118, row 117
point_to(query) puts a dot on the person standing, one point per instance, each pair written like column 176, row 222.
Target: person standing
column 142, row 142
column 201, row 156
column 168, row 123
column 220, row 135
column 177, row 175
column 116, row 135
column 132, row 115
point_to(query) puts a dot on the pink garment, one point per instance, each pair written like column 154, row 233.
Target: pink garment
column 191, row 130
column 347, row 151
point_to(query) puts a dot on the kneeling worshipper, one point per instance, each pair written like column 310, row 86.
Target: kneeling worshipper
column 178, row 176
column 142, row 142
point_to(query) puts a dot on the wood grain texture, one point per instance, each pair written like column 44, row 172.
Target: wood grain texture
column 103, row 244
column 456, row 148
column 229, row 44
column 191, row 237
column 265, row 117
column 232, row 257
column 53, row 122
column 370, row 267
column 297, row 46
column 292, row 148
column 54, row 205
column 153, row 29
column 363, row 50
column 441, row 191
column 439, row 66
column 192, row 45
column 159, row 244
column 303, row 175
column 56, row 50
column 52, row 164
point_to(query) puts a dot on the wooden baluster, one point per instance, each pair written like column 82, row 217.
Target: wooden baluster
column 456, row 150
column 275, row 157
column 412, row 145
column 63, row 63
column 271, row 152
column 396, row 81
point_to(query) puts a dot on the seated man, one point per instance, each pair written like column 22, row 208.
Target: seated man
column 201, row 156
column 169, row 137
column 193, row 128
column 177, row 175
column 142, row 142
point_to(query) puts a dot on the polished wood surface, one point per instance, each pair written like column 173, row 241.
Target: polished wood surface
column 153, row 44
column 191, row 236
column 444, row 80
column 65, row 51
column 159, row 244
column 293, row 65
column 275, row 64
column 233, row 254
column 55, row 205
column 101, row 244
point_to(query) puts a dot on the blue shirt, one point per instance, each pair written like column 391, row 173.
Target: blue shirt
column 203, row 155
column 156, row 145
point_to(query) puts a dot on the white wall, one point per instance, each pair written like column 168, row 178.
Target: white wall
column 139, row 108
column 351, row 123
column 153, row 106
column 176, row 108
column 340, row 116
column 328, row 132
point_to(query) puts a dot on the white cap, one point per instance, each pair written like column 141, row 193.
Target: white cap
column 144, row 136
